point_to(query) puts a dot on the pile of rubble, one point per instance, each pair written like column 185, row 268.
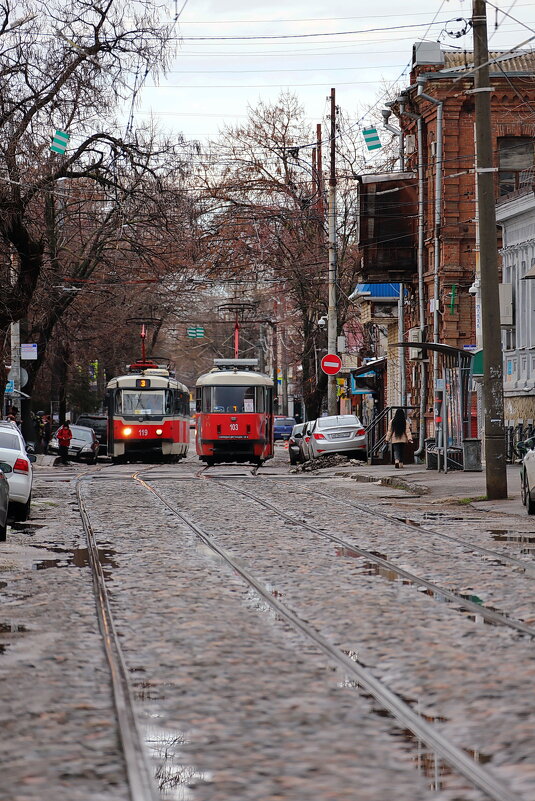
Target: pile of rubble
column 328, row 460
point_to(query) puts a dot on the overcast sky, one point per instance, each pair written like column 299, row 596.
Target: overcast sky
column 211, row 82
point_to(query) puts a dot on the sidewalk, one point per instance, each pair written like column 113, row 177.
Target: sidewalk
column 452, row 486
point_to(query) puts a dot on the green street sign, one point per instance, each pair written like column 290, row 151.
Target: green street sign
column 59, row 142
column 371, row 137
column 195, row 332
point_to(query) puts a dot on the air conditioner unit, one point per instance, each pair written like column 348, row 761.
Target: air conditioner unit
column 415, row 335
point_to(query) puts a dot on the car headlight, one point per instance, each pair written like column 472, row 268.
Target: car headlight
column 87, row 449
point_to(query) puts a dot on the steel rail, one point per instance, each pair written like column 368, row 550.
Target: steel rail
column 504, row 557
column 488, row 614
column 138, row 771
column 480, row 777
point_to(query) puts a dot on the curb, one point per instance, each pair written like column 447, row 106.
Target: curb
column 388, row 481
column 45, row 461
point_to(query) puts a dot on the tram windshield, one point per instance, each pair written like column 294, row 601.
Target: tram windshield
column 238, row 399
column 130, row 401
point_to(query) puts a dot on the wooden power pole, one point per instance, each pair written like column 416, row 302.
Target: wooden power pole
column 332, row 312
column 496, row 476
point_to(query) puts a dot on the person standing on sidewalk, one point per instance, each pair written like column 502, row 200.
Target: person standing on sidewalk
column 399, row 433
column 64, row 436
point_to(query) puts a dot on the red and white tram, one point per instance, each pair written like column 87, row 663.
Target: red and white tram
column 148, row 415
column 234, row 413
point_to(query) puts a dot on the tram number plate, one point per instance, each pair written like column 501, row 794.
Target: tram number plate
column 143, row 432
column 233, row 426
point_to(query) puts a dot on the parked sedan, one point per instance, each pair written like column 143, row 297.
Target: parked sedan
column 342, row 433
column 282, row 426
column 527, row 474
column 5, row 469
column 99, row 424
column 84, row 445
column 13, row 452
column 294, row 443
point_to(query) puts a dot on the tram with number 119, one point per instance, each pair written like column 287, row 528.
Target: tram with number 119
column 234, row 413
column 148, row 415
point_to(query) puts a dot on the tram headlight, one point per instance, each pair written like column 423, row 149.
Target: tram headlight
column 127, row 432
column 159, row 431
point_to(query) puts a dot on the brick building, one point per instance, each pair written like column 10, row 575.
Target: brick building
column 438, row 241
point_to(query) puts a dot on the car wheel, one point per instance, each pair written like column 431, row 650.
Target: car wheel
column 293, row 460
column 21, row 511
column 523, row 488
column 3, row 532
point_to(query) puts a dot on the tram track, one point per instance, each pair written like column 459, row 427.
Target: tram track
column 463, row 764
column 138, row 769
column 434, row 590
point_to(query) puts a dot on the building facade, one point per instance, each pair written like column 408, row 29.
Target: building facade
column 429, row 208
column 516, row 215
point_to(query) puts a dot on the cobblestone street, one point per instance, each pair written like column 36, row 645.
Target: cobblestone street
column 233, row 701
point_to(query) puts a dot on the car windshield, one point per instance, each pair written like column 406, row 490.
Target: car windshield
column 339, row 420
column 82, row 433
column 9, row 441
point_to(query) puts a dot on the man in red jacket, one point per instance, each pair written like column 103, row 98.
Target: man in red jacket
column 64, row 436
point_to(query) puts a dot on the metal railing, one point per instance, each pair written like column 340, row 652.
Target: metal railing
column 377, row 430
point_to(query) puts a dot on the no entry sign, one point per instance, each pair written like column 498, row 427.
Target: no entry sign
column 331, row 364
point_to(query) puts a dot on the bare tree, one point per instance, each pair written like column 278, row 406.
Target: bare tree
column 266, row 218
column 70, row 65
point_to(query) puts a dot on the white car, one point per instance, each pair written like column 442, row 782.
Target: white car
column 526, row 449
column 337, row 434
column 13, row 451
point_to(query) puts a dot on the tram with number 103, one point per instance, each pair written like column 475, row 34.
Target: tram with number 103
column 234, row 407
column 148, row 413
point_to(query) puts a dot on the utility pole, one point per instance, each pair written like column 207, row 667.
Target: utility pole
column 332, row 317
column 496, row 477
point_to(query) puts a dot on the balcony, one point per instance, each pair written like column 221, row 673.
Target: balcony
column 388, row 210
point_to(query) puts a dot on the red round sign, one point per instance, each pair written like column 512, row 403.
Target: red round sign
column 331, row 364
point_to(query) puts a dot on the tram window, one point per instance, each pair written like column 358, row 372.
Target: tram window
column 207, row 399
column 198, row 402
column 142, row 403
column 171, row 398
column 234, row 399
column 260, row 398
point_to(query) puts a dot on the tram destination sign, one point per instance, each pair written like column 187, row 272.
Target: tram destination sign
column 331, row 364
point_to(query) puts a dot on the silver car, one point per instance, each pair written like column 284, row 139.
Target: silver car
column 4, row 498
column 337, row 434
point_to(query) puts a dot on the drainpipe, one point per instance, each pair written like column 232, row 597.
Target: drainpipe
column 386, row 112
column 421, row 267
column 438, row 218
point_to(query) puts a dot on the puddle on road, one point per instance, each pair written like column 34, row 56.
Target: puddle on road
column 12, row 628
column 175, row 778
column 426, row 761
column 503, row 535
column 373, row 569
column 79, row 557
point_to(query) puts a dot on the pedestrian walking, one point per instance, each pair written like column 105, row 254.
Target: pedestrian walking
column 64, row 436
column 399, row 433
column 46, row 433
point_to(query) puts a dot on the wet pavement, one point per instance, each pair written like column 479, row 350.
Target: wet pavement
column 233, row 703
